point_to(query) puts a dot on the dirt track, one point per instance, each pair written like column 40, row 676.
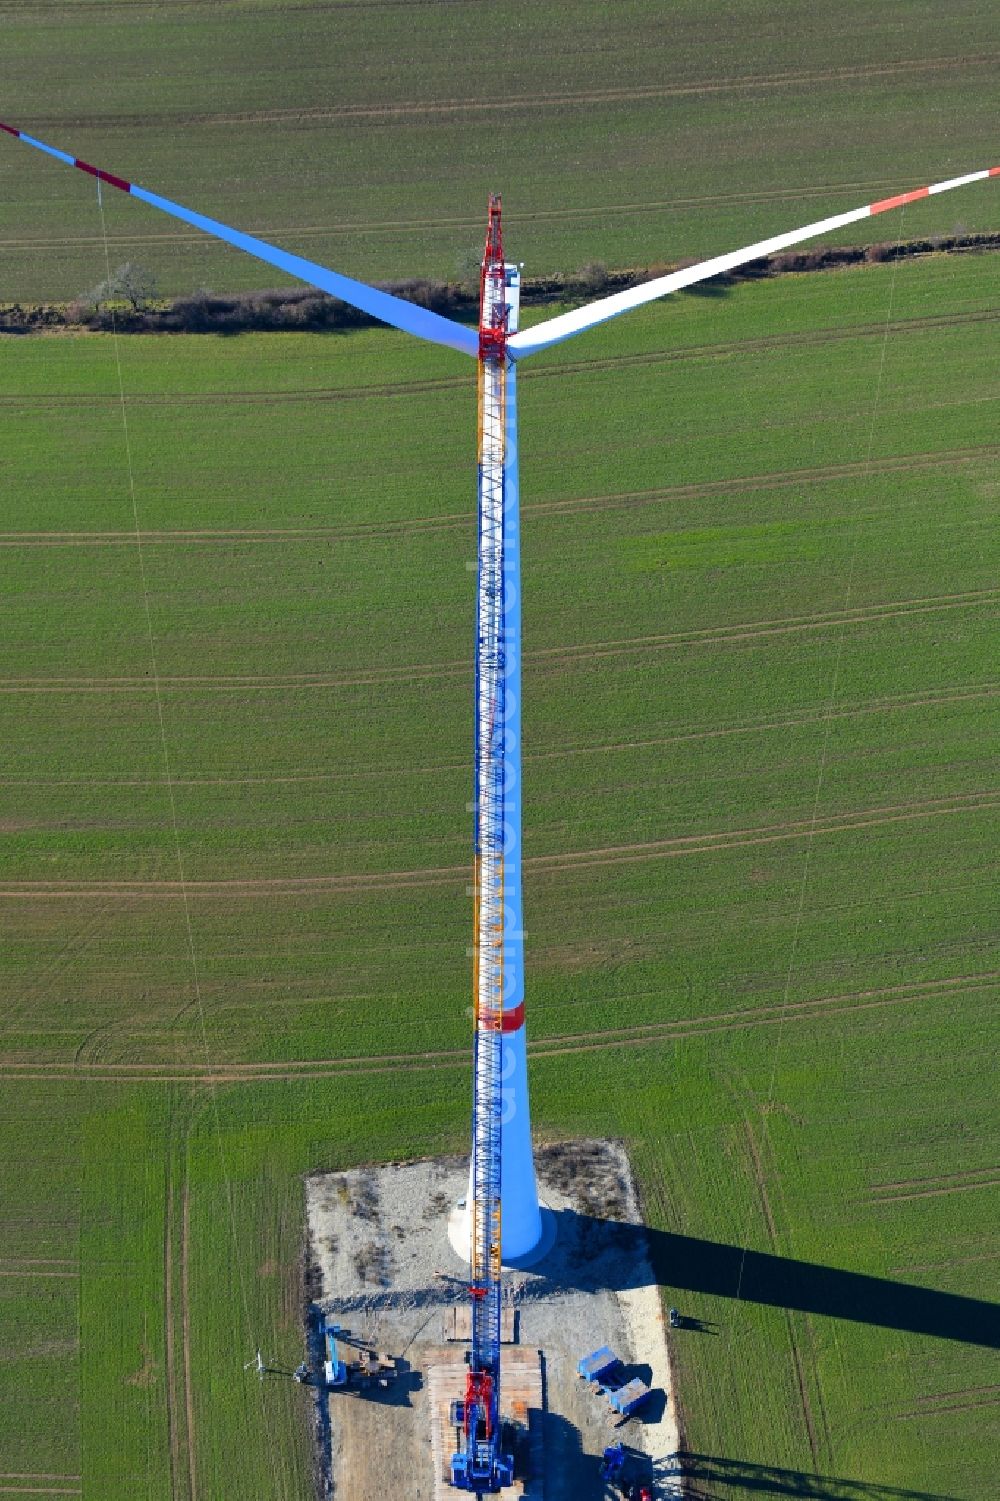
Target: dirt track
column 72, row 1488
column 554, row 655
column 566, row 370
column 934, row 1188
column 186, row 1342
column 464, row 520
column 901, row 703
column 982, row 1396
column 775, row 1014
column 177, row 1321
column 173, row 1436
column 793, row 193
column 512, row 103
column 658, row 849
column 808, row 1418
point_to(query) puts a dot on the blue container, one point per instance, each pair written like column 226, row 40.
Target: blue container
column 598, row 1364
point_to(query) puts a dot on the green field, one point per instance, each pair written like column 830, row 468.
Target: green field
column 367, row 135
column 760, row 717
column 761, row 821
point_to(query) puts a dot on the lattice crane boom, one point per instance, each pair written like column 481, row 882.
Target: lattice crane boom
column 480, row 1465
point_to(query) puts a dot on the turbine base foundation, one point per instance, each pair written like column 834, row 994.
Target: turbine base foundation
column 380, row 1264
column 458, row 1237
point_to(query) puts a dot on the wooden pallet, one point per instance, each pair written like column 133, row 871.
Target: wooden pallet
column 457, row 1324
column 521, row 1399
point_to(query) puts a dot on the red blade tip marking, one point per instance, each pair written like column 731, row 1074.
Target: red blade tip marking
column 109, row 177
column 899, row 200
column 9, row 129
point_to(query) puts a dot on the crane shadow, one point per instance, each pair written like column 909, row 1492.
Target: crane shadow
column 594, row 1253
column 708, row 1477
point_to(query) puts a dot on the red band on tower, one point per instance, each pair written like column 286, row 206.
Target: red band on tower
column 510, row 1021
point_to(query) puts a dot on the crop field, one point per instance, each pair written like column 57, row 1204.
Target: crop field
column 367, row 135
column 761, row 819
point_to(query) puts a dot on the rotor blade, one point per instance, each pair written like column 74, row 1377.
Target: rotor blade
column 382, row 305
column 554, row 330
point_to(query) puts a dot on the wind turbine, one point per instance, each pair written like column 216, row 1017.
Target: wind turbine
column 501, row 1135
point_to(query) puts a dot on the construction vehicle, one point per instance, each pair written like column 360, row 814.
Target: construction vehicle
column 616, row 1464
column 354, row 1363
column 612, row 1462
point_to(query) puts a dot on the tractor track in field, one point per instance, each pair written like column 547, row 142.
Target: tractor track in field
column 938, row 1185
column 41, row 1260
column 173, row 1435
column 403, row 109
column 177, row 1313
column 36, row 1474
column 465, row 520
column 186, row 1338
column 33, row 1266
column 803, row 338
column 935, row 1193
column 724, row 349
column 72, row 1489
column 930, row 1406
column 348, row 228
column 934, row 1178
column 772, row 1235
column 724, row 635
column 749, row 727
column 238, row 398
column 325, row 394
column 901, row 704
column 945, row 1265
column 550, row 656
column 637, row 1035
column 767, row 834
column 620, row 854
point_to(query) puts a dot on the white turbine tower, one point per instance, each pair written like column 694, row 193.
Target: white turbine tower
column 502, row 1175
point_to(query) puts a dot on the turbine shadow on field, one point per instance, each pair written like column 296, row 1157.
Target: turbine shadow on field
column 707, row 1476
column 611, row 1253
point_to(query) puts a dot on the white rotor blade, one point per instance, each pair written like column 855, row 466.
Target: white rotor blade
column 382, row 305
column 554, row 330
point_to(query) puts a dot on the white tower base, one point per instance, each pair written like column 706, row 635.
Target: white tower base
column 460, row 1237
column 527, row 1228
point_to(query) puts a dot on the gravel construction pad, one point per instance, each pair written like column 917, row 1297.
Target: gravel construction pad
column 379, row 1261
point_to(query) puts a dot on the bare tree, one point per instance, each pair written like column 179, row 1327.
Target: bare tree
column 130, row 283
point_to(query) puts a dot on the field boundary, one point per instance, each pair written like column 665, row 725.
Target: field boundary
column 306, row 310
